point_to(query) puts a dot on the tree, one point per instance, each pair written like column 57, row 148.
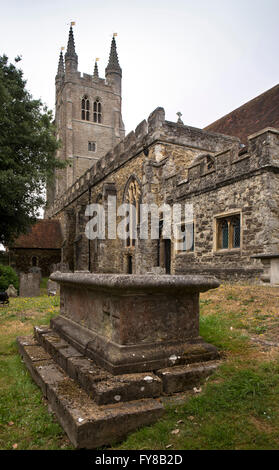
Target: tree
column 27, row 153
column 8, row 276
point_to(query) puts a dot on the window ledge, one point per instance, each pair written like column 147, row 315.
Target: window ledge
column 227, row 251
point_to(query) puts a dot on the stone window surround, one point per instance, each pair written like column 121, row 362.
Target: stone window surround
column 90, row 142
column 133, row 195
column 97, row 110
column 88, row 106
column 85, row 108
column 216, row 219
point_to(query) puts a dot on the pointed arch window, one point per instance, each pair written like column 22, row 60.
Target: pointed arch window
column 85, row 109
column 97, row 111
column 133, row 197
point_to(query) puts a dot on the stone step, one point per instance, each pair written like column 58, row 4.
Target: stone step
column 181, row 378
column 129, row 358
column 87, row 425
column 106, row 388
column 99, row 384
column 127, row 387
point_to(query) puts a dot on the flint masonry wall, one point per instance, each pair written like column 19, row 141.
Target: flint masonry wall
column 170, row 161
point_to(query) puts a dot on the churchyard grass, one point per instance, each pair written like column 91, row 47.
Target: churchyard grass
column 24, row 419
column 236, row 408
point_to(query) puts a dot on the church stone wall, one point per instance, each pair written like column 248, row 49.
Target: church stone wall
column 179, row 164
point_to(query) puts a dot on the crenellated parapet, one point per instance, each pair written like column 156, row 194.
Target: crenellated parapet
column 154, row 130
column 209, row 172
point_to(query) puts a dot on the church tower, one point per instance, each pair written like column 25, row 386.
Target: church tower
column 88, row 114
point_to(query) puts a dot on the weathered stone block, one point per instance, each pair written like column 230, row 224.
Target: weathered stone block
column 85, row 372
column 128, row 387
column 180, row 378
column 87, row 425
column 130, row 323
column 59, row 349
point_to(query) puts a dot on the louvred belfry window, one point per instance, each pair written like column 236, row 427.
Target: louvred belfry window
column 97, row 111
column 85, row 109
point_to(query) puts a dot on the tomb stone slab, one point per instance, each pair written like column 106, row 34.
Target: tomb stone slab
column 130, row 324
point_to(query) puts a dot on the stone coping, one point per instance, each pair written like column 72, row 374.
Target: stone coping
column 266, row 256
column 163, row 283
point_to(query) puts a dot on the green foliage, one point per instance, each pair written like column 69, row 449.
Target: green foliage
column 7, row 276
column 27, row 153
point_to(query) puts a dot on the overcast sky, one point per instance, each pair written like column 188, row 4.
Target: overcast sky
column 201, row 57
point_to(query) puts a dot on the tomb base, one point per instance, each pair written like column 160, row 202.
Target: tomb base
column 103, row 383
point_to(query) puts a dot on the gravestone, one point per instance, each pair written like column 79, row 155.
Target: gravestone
column 29, row 284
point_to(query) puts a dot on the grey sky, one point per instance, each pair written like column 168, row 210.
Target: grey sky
column 203, row 58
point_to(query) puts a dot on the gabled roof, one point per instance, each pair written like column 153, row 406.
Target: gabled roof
column 257, row 114
column 44, row 234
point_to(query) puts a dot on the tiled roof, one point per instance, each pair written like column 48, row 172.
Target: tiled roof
column 44, row 234
column 257, row 114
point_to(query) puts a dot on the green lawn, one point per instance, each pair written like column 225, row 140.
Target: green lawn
column 24, row 420
column 238, row 407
